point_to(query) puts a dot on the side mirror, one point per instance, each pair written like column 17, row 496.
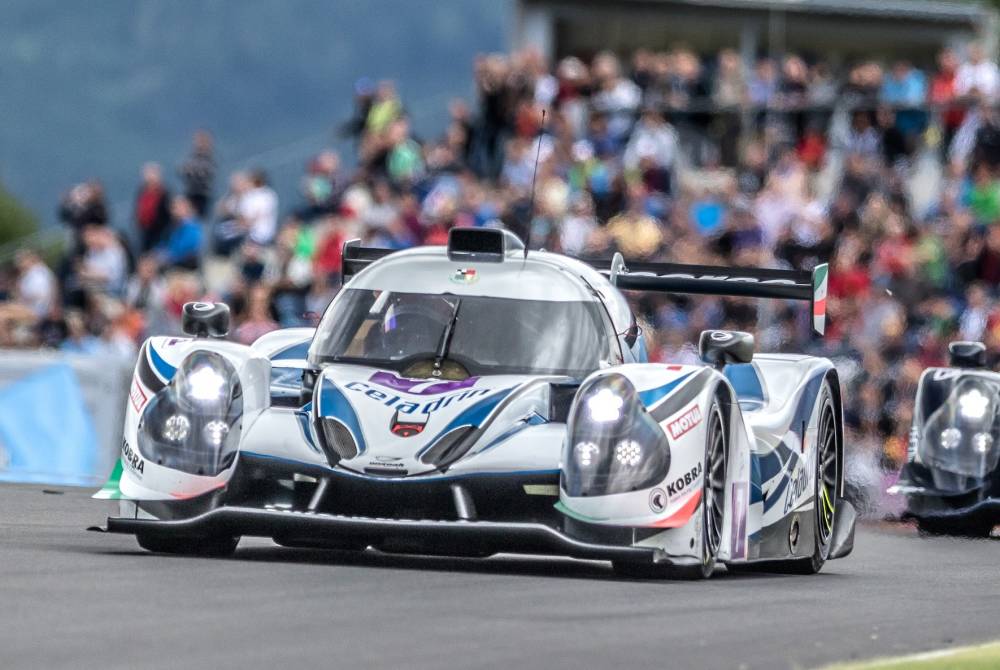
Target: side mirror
column 720, row 347
column 205, row 319
column 967, row 355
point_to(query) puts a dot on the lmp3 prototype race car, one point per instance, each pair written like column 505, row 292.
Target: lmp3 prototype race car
column 950, row 479
column 478, row 399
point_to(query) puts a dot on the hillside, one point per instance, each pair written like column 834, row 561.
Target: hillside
column 96, row 88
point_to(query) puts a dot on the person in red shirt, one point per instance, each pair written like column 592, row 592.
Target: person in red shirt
column 942, row 94
column 152, row 208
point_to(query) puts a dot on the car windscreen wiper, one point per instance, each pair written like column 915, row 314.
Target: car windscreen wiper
column 445, row 343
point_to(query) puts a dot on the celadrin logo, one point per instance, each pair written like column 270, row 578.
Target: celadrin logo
column 402, row 406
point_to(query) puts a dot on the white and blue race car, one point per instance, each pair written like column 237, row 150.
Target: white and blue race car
column 479, row 398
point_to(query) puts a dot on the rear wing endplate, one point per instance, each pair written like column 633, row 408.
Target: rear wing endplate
column 356, row 258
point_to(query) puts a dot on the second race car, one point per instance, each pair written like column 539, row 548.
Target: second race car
column 951, row 480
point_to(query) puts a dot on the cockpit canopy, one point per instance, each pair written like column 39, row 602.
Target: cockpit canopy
column 449, row 335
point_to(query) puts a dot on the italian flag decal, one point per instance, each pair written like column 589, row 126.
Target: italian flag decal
column 110, row 490
column 820, row 277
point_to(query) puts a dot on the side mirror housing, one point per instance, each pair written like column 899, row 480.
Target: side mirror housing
column 721, row 347
column 205, row 319
column 967, row 355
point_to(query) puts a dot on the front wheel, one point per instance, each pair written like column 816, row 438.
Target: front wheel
column 827, row 478
column 216, row 547
column 713, row 496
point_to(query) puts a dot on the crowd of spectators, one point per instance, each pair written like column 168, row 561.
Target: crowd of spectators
column 665, row 156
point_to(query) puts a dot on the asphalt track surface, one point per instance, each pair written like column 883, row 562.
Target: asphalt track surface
column 73, row 599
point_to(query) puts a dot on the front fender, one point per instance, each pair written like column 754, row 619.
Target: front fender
column 678, row 398
column 140, row 479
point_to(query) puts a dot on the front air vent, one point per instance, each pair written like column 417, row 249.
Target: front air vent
column 560, row 400
column 449, row 448
column 337, row 438
column 379, row 471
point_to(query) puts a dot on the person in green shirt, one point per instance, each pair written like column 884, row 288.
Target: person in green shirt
column 984, row 198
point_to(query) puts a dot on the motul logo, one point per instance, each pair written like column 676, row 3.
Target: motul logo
column 684, row 422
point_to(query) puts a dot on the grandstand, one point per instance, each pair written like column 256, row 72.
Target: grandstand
column 837, row 29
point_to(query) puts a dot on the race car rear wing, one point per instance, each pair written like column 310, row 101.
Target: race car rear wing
column 724, row 281
column 667, row 277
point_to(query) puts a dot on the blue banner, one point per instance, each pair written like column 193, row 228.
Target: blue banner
column 46, row 434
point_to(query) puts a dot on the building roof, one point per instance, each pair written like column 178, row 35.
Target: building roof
column 946, row 11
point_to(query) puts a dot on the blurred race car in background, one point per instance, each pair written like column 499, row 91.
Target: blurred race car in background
column 950, row 479
column 479, row 398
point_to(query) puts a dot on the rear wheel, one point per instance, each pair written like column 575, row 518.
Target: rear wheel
column 713, row 498
column 189, row 546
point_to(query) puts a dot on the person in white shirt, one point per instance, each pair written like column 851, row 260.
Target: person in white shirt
column 615, row 96
column 977, row 75
column 36, row 284
column 259, row 210
column 104, row 266
column 652, row 138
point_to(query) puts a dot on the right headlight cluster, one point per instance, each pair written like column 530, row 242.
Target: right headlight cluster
column 613, row 444
column 193, row 425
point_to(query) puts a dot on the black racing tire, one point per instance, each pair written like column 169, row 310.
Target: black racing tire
column 954, row 528
column 826, row 483
column 712, row 509
column 215, row 547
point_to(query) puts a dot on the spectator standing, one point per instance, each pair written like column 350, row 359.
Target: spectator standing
column 82, row 206
column 104, row 266
column 198, row 173
column 258, row 210
column 944, row 93
column 615, row 96
column 978, row 76
column 230, row 230
column 35, row 294
column 905, row 89
column 182, row 248
column 152, row 208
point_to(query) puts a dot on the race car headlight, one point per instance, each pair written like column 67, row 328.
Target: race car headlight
column 613, row 444
column 193, row 425
column 951, row 438
column 605, row 405
column 972, row 404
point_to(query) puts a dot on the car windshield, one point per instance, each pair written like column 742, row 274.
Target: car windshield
column 481, row 335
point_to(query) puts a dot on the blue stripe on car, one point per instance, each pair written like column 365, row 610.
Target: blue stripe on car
column 302, row 418
column 745, row 381
column 296, row 352
column 651, row 396
column 164, row 369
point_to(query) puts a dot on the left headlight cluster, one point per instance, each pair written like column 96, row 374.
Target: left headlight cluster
column 193, row 425
column 613, row 444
